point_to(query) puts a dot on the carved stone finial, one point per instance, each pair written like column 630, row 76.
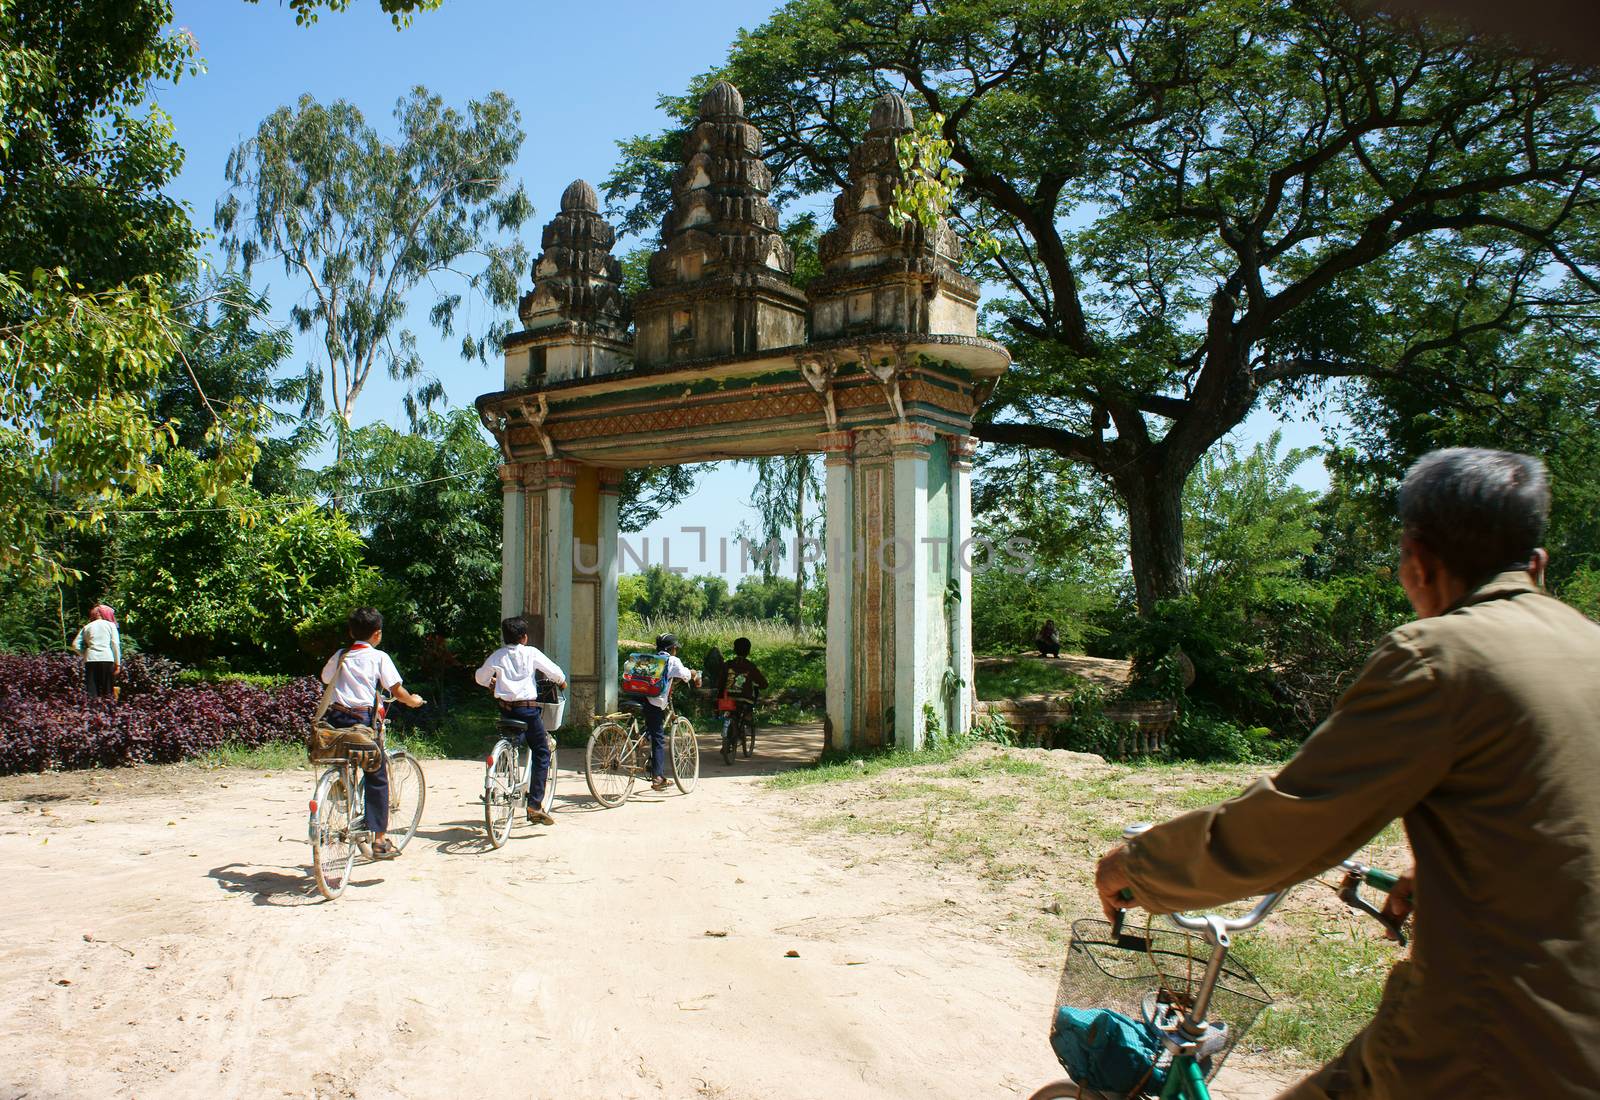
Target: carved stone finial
column 580, row 196
column 723, row 101
column 719, row 284
column 890, row 113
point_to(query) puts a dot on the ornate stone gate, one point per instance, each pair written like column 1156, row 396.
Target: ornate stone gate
column 877, row 364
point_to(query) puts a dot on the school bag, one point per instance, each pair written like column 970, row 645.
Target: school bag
column 644, row 674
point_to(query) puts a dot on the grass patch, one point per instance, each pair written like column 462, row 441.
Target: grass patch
column 1032, row 824
column 1025, row 676
column 264, row 680
column 275, row 756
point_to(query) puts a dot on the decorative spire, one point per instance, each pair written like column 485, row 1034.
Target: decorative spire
column 720, row 216
column 576, row 279
column 862, row 233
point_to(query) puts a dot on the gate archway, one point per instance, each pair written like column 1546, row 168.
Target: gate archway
column 876, row 364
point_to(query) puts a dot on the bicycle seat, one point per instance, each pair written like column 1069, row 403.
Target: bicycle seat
column 511, row 725
column 632, row 706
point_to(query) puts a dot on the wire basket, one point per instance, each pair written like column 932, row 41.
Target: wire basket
column 1145, row 969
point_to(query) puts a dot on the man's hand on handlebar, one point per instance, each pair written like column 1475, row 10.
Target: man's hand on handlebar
column 1111, row 881
column 1400, row 903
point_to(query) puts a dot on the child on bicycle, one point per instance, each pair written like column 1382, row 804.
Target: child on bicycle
column 513, row 672
column 741, row 682
column 655, row 706
column 359, row 672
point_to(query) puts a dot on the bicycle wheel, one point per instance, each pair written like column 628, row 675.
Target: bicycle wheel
column 550, row 781
column 499, row 792
column 748, row 736
column 333, row 849
column 730, row 739
column 606, row 765
column 407, row 794
column 685, row 755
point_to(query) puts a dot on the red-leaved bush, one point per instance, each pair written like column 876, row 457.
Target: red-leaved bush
column 46, row 722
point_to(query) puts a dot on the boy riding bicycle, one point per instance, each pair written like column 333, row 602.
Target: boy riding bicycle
column 357, row 673
column 513, row 673
column 654, row 711
column 738, row 688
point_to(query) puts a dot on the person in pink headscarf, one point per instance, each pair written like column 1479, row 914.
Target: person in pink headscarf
column 101, row 646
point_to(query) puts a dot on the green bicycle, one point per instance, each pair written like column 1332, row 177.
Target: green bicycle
column 1198, row 1003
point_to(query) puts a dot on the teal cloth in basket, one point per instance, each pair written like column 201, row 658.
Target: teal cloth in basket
column 1106, row 1050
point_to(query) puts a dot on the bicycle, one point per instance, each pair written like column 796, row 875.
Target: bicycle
column 508, row 770
column 1198, row 1020
column 338, row 803
column 738, row 730
column 616, row 754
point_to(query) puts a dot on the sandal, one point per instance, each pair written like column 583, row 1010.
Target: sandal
column 385, row 849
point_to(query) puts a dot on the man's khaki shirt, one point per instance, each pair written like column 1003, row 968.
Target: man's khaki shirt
column 1481, row 727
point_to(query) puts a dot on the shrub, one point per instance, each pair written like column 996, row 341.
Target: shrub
column 45, row 722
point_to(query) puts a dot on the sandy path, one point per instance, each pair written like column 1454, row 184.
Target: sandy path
column 166, row 942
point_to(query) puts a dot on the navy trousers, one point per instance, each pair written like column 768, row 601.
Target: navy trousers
column 377, row 782
column 538, row 743
column 655, row 724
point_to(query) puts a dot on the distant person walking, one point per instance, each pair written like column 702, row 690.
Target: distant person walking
column 101, row 647
column 1049, row 639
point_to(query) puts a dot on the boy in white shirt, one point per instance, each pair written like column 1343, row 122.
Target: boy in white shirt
column 362, row 669
column 513, row 672
column 654, row 711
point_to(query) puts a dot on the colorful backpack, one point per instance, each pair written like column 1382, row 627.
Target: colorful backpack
column 644, row 674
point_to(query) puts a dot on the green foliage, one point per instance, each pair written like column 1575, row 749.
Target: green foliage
column 647, row 491
column 1582, row 590
column 227, row 579
column 658, row 592
column 1247, row 525
column 438, row 537
column 400, row 12
column 1199, row 206
column 85, row 156
column 76, row 434
column 366, row 222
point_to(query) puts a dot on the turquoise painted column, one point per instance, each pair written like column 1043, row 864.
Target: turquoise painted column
column 961, row 449
column 913, row 661
column 560, row 478
column 839, row 551
column 513, row 548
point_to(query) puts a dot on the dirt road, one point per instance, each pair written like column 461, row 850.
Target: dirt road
column 161, row 939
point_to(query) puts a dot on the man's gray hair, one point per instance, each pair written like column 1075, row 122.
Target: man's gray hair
column 1481, row 512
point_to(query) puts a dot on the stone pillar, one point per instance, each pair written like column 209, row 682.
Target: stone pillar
column 560, row 478
column 513, row 549
column 913, row 661
column 871, row 690
column 962, row 448
column 839, row 541
column 610, row 490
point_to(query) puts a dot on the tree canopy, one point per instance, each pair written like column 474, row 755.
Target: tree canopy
column 366, row 222
column 1200, row 204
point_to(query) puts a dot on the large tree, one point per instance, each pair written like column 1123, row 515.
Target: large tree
column 1200, row 204
column 365, row 222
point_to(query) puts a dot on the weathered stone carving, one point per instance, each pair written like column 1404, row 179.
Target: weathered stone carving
column 719, row 285
column 575, row 320
column 877, row 277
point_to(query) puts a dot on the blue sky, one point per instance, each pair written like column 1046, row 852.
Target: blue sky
column 583, row 75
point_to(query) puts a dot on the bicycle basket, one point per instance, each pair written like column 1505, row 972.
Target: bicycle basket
column 1146, row 968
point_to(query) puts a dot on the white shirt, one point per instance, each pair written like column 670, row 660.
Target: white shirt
column 99, row 641
column 510, row 670
column 363, row 671
column 676, row 670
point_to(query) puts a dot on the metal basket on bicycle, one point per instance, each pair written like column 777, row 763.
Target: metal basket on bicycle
column 1152, row 974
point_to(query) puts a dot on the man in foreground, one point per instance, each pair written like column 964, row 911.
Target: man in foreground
column 1479, row 724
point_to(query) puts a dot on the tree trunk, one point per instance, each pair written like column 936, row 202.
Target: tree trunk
column 1154, row 500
